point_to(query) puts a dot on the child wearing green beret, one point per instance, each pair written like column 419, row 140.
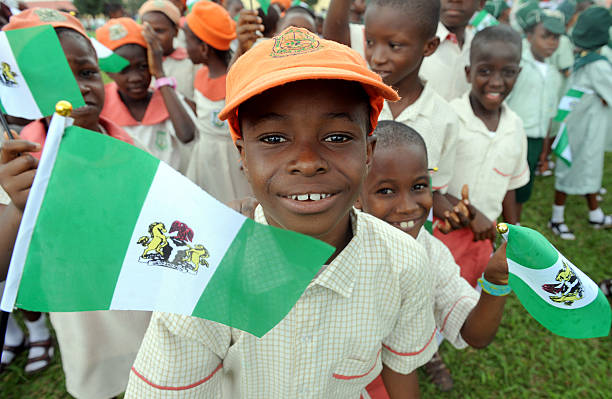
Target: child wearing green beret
column 587, row 123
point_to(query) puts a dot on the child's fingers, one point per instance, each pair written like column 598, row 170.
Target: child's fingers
column 465, row 193
column 249, row 28
column 11, row 149
column 20, row 182
column 249, row 19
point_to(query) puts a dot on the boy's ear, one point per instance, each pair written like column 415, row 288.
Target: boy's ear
column 370, row 146
column 240, row 146
column 467, row 73
column 430, row 46
column 358, row 204
column 205, row 49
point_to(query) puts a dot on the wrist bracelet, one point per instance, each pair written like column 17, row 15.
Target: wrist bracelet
column 165, row 81
column 493, row 289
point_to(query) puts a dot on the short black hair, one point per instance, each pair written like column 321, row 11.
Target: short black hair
column 392, row 134
column 301, row 9
column 498, row 33
column 63, row 31
column 424, row 13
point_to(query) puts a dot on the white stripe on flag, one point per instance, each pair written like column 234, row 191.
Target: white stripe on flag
column 568, row 102
column 101, row 50
column 141, row 283
column 536, row 278
column 16, row 99
column 30, row 214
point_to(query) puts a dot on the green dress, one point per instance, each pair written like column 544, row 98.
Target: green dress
column 587, row 126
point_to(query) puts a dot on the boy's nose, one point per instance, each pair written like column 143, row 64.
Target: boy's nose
column 406, row 204
column 379, row 56
column 308, row 162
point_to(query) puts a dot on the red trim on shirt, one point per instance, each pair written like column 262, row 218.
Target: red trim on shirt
column 213, row 89
column 351, row 377
column 451, row 311
column 440, row 187
column 522, row 173
column 183, row 388
column 116, row 110
column 413, row 353
column 498, row 171
column 179, row 54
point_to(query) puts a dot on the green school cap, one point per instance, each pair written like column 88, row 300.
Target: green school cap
column 553, row 21
column 496, row 7
column 526, row 14
column 592, row 28
column 568, row 8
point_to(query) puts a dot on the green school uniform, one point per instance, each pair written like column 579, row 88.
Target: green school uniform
column 534, row 99
column 587, row 127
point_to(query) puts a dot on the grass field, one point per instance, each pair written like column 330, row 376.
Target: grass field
column 524, row 361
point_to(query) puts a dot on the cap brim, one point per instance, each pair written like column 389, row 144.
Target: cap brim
column 282, row 77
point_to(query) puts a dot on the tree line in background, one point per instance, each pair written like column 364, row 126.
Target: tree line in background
column 95, row 7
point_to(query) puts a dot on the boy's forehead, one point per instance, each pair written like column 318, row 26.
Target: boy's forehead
column 495, row 51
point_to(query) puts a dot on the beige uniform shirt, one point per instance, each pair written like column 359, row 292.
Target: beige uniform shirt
column 454, row 297
column 490, row 164
column 435, row 120
column 357, row 35
column 444, row 70
column 370, row 305
column 179, row 66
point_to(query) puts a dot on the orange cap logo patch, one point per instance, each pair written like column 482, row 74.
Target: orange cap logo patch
column 49, row 15
column 117, row 32
column 295, row 41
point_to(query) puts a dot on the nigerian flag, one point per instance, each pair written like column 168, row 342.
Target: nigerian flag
column 107, row 59
column 560, row 146
column 35, row 73
column 108, row 226
column 554, row 291
column 483, row 19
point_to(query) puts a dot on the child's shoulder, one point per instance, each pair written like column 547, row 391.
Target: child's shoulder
column 387, row 242
column 440, row 106
column 463, row 109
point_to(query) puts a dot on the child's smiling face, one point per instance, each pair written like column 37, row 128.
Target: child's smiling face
column 397, row 189
column 134, row 79
column 306, row 154
column 543, row 42
column 493, row 72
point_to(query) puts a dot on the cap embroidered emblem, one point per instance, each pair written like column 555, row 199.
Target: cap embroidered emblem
column 49, row 15
column 294, row 41
column 117, row 32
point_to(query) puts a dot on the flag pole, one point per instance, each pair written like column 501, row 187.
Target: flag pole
column 63, row 108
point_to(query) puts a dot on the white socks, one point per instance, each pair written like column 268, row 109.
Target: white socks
column 38, row 332
column 14, row 337
column 558, row 212
column 596, row 215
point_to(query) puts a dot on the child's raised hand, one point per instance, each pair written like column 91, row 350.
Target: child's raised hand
column 461, row 214
column 17, row 169
column 482, row 227
column 155, row 51
column 248, row 29
column 497, row 268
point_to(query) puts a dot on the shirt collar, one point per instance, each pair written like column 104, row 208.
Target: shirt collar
column 423, row 106
column 466, row 114
column 339, row 275
column 115, row 110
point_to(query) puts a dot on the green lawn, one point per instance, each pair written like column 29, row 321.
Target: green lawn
column 524, row 361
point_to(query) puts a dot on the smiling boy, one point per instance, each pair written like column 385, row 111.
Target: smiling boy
column 492, row 147
column 300, row 110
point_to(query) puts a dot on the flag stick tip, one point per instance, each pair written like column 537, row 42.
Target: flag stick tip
column 502, row 228
column 63, row 108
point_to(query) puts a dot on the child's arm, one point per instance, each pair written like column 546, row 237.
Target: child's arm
column 248, row 30
column 182, row 122
column 336, row 24
column 509, row 207
column 481, row 324
column 400, row 385
column 17, row 170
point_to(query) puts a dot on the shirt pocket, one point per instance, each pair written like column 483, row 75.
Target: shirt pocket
column 351, row 376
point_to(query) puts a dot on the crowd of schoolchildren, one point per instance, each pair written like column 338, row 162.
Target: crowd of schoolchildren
column 358, row 129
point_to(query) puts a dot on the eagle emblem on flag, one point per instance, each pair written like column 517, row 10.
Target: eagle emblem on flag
column 159, row 247
column 568, row 288
column 8, row 77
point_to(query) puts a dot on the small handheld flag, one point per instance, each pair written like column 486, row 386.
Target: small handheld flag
column 560, row 146
column 483, row 19
column 552, row 289
column 34, row 73
column 108, row 226
column 107, row 59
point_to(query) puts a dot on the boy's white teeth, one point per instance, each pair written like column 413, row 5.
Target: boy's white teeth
column 306, row 197
column 407, row 225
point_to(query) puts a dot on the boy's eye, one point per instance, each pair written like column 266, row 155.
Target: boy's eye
column 395, row 46
column 337, row 138
column 384, row 191
column 273, row 139
column 369, row 42
column 88, row 73
column 420, row 186
column 510, row 72
column 143, row 67
column 484, row 71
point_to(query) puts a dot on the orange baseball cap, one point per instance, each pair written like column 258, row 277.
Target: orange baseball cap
column 286, row 4
column 44, row 16
column 120, row 31
column 297, row 54
column 164, row 6
column 212, row 24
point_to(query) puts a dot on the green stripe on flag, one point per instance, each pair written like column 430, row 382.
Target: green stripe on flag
column 590, row 321
column 29, row 47
column 529, row 248
column 261, row 274
column 48, row 290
